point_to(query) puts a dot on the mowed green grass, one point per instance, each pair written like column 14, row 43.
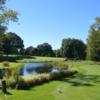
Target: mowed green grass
column 40, row 59
column 83, row 86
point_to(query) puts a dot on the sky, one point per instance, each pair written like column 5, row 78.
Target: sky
column 51, row 21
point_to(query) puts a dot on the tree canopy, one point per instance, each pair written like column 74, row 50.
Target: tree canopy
column 73, row 48
column 13, row 44
column 31, row 51
column 6, row 15
column 93, row 45
column 45, row 49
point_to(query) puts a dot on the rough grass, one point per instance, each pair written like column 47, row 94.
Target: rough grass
column 12, row 64
column 83, row 86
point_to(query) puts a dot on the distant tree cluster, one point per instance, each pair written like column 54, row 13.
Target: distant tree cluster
column 31, row 51
column 58, row 53
column 71, row 49
column 44, row 49
column 76, row 49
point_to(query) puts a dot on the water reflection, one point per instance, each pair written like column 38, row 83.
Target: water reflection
column 35, row 68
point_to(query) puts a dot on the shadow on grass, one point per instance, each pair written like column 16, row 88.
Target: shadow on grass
column 83, row 80
column 30, row 87
column 14, row 58
column 8, row 93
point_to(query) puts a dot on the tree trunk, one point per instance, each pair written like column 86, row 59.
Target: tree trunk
column 4, row 86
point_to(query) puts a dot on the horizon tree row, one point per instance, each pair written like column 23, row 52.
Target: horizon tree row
column 76, row 49
column 71, row 49
column 44, row 49
column 11, row 43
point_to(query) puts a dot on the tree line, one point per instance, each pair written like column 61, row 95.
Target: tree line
column 11, row 43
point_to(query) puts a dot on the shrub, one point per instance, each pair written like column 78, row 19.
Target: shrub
column 22, row 84
column 61, row 66
column 11, row 83
column 37, row 80
column 6, row 64
column 28, row 82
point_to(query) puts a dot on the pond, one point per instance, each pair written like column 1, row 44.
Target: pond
column 37, row 68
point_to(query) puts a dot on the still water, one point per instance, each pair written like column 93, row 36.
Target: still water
column 36, row 68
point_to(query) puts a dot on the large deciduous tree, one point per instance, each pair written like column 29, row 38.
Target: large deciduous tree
column 2, row 36
column 73, row 48
column 6, row 15
column 45, row 49
column 13, row 44
column 31, row 51
column 93, row 45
